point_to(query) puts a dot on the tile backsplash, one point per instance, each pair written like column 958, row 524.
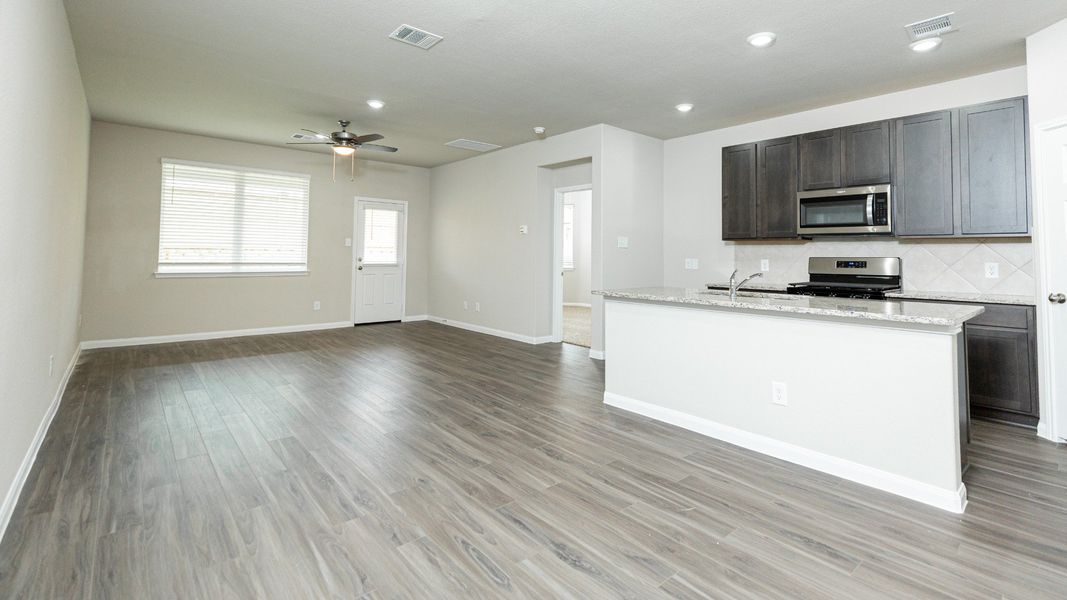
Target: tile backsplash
column 928, row 265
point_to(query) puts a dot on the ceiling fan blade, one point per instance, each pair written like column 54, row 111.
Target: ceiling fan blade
column 309, row 143
column 370, row 137
column 321, row 136
column 377, row 147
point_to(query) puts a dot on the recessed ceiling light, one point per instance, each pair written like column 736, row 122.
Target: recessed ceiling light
column 762, row 39
column 926, row 45
column 375, row 104
column 684, row 107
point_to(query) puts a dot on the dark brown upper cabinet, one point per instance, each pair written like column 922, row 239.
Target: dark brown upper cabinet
column 739, row 192
column 994, row 188
column 867, row 154
column 923, row 184
column 820, row 160
column 776, row 188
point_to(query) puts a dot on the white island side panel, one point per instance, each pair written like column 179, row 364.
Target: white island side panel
column 876, row 405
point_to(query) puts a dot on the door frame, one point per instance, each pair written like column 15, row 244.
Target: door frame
column 403, row 248
column 1053, row 409
column 557, row 256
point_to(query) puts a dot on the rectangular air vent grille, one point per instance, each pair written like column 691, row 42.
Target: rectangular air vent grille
column 930, row 27
column 472, row 145
column 306, row 137
column 415, row 36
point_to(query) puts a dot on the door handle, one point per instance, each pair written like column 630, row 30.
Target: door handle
column 359, row 268
column 1057, row 298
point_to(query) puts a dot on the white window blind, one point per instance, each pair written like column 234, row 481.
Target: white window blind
column 568, row 236
column 380, row 239
column 221, row 219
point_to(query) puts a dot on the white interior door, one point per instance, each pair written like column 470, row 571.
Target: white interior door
column 1051, row 225
column 379, row 254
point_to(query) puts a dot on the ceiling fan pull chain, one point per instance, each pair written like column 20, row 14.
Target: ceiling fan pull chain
column 335, row 168
column 353, row 177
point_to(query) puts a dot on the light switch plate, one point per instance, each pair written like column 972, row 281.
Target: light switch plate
column 764, row 265
column 992, row 270
column 348, row 242
column 524, row 229
column 623, row 242
column 692, row 264
column 316, row 305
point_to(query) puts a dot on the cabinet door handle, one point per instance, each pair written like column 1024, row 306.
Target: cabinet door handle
column 1057, row 298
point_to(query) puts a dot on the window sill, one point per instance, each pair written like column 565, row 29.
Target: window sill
column 195, row 274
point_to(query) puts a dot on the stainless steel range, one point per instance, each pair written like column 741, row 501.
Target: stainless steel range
column 850, row 277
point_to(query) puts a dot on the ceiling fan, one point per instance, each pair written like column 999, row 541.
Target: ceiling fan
column 344, row 143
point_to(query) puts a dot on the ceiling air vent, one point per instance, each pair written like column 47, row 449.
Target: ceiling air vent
column 415, row 36
column 930, row 27
column 472, row 145
column 306, row 137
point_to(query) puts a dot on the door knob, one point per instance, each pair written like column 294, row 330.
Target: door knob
column 1057, row 298
column 359, row 268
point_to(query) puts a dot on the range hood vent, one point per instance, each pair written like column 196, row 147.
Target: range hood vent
column 415, row 36
column 930, row 27
column 472, row 145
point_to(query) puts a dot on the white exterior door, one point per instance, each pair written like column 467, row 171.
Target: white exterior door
column 380, row 236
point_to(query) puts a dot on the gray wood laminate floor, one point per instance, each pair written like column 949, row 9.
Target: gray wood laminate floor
column 416, row 460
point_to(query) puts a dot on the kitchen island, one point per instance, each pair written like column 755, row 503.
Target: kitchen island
column 866, row 390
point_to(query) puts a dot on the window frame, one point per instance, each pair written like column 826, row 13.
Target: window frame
column 196, row 270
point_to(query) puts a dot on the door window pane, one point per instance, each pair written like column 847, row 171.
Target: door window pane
column 568, row 236
column 380, row 239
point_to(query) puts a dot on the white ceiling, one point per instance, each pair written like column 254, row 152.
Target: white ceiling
column 257, row 71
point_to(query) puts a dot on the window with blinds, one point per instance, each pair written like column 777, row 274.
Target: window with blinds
column 380, row 239
column 232, row 220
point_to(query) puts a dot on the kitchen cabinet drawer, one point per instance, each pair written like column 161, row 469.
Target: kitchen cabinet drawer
column 820, row 160
column 867, row 154
column 1000, row 374
column 1004, row 315
column 994, row 188
column 739, row 192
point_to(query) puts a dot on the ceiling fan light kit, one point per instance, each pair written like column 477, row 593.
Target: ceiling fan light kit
column 344, row 143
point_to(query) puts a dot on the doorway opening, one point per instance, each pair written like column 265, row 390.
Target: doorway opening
column 574, row 232
column 379, row 253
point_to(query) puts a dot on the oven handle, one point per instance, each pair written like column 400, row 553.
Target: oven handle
column 870, row 209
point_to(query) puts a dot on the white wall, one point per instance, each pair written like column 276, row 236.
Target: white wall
column 122, row 298
column 43, row 165
column 477, row 253
column 693, row 164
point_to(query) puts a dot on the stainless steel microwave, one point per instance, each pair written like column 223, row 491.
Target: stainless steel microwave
column 857, row 210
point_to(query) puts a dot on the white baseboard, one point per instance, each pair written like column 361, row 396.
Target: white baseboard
column 952, row 501
column 581, row 304
column 518, row 337
column 413, row 318
column 596, row 354
column 209, row 335
column 7, row 509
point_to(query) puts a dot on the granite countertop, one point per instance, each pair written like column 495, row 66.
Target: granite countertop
column 978, row 297
column 895, row 311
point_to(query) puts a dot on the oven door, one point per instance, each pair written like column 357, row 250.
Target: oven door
column 859, row 210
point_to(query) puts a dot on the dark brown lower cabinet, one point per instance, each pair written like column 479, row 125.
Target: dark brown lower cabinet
column 1002, row 364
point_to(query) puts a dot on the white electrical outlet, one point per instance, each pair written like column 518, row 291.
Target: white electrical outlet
column 51, row 364
column 992, row 270
column 764, row 265
column 316, row 305
column 477, row 307
column 692, row 264
column 779, row 393
column 466, row 305
column 623, row 242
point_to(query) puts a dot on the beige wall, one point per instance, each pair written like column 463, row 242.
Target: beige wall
column 692, row 196
column 123, row 299
column 43, row 162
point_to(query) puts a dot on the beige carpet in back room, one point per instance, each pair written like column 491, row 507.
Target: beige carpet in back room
column 576, row 325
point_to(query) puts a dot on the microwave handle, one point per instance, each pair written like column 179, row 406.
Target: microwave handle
column 870, row 209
